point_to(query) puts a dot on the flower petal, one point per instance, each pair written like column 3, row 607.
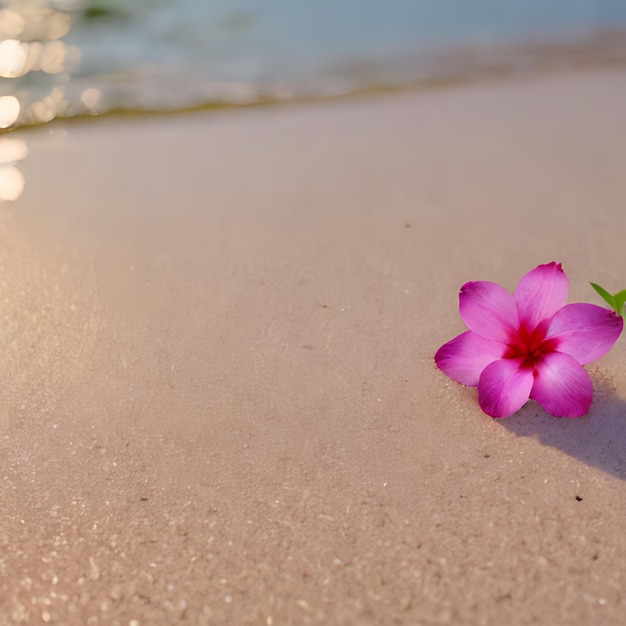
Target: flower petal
column 585, row 331
column 504, row 387
column 466, row 356
column 540, row 294
column 562, row 386
column 489, row 310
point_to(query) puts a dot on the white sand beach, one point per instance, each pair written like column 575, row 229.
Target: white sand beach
column 219, row 403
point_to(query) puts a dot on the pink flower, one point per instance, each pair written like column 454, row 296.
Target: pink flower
column 528, row 345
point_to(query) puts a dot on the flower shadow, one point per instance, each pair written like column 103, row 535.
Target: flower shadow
column 598, row 440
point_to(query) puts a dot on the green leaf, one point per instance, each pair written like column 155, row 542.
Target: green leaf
column 605, row 295
column 620, row 299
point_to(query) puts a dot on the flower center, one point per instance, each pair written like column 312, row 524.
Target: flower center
column 530, row 345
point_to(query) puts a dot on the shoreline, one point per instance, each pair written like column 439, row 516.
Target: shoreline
column 479, row 64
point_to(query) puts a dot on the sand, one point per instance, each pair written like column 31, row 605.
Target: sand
column 219, row 403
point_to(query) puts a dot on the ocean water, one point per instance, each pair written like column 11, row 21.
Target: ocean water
column 77, row 57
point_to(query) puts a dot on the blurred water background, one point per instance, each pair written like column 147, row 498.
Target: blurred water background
column 77, row 57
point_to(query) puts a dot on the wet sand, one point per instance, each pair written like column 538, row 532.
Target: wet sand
column 219, row 403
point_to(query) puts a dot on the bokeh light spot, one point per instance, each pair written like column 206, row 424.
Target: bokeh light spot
column 9, row 110
column 90, row 98
column 11, row 183
column 12, row 150
column 11, row 24
column 13, row 56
